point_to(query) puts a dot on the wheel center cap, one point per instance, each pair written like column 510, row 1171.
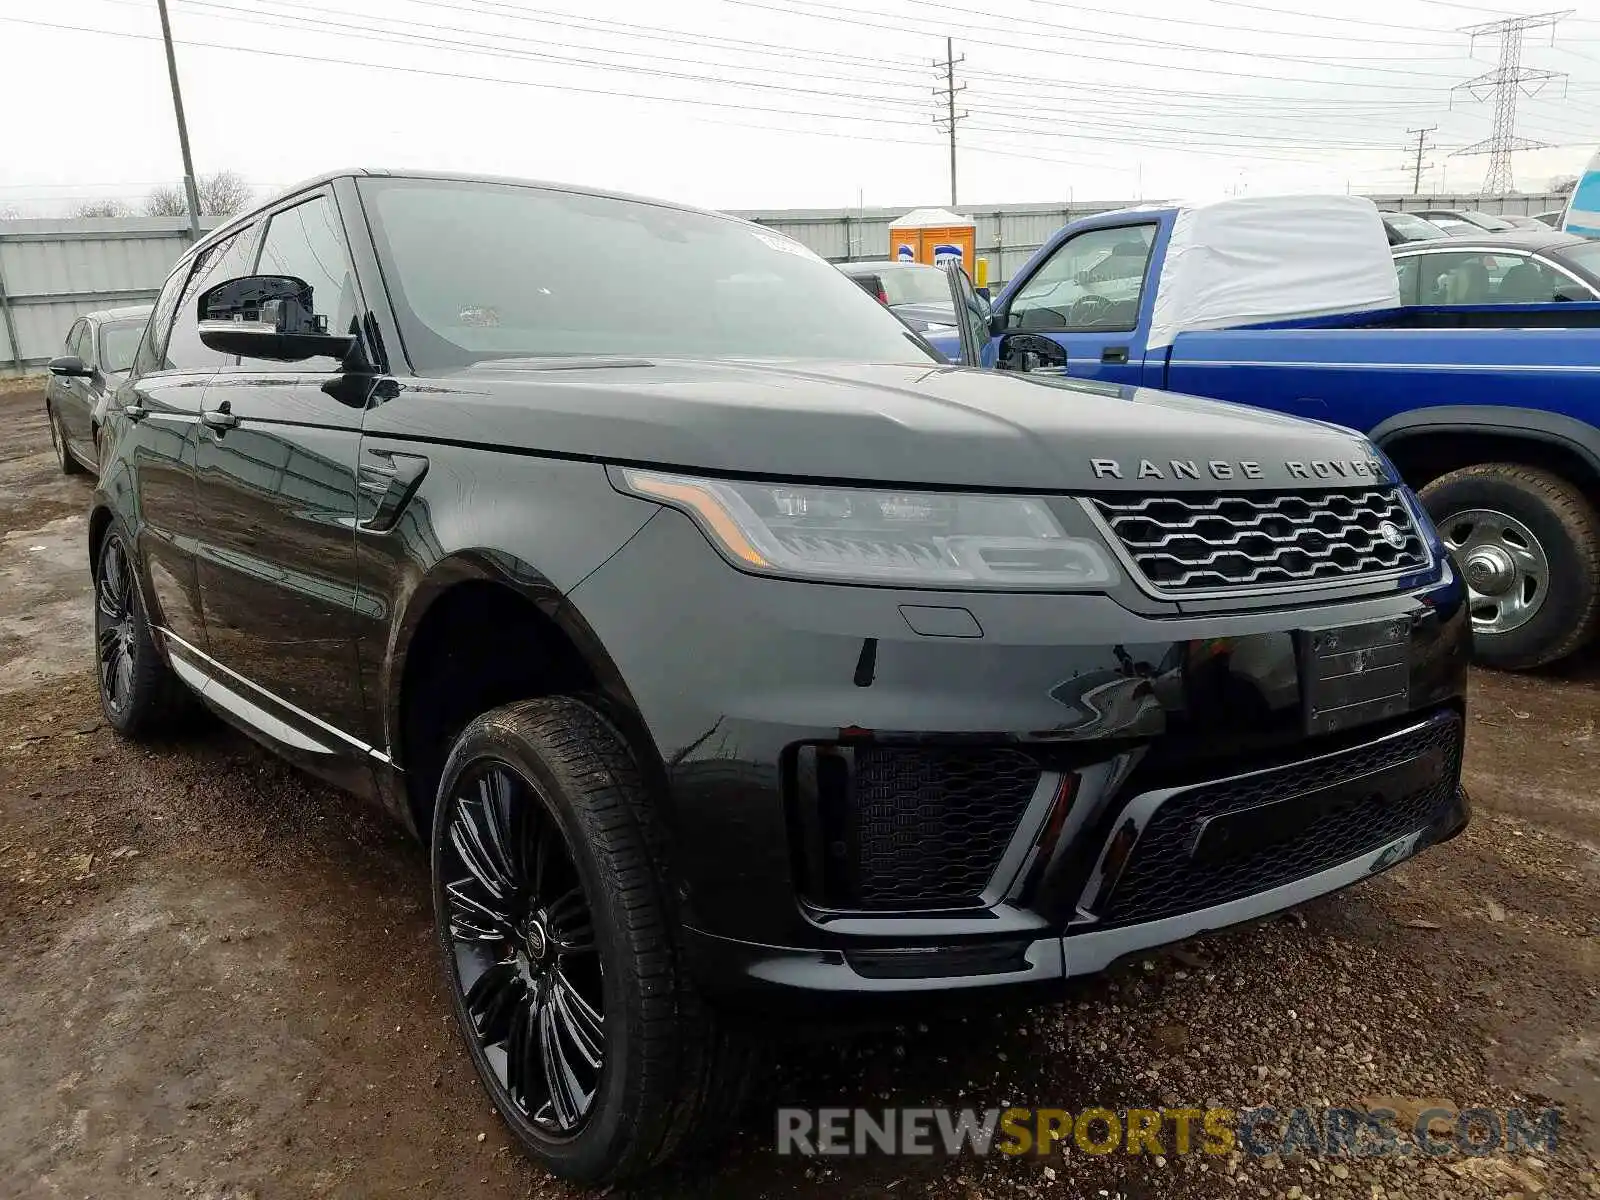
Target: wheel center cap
column 1490, row 571
column 538, row 941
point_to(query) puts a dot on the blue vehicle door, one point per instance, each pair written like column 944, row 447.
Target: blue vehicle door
column 1086, row 296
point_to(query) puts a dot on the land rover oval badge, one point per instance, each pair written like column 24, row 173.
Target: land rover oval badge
column 1391, row 533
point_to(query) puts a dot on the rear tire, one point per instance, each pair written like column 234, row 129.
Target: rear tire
column 1527, row 543
column 543, row 796
column 58, row 440
column 139, row 694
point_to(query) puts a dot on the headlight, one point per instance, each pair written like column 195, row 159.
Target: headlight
column 931, row 539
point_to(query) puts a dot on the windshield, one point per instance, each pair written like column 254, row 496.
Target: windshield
column 480, row 271
column 1413, row 228
column 916, row 285
column 1485, row 220
column 118, row 342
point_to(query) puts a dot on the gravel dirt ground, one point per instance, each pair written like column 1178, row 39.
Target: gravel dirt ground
column 216, row 975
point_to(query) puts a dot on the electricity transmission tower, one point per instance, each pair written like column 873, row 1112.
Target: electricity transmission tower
column 947, row 122
column 1421, row 149
column 1505, row 83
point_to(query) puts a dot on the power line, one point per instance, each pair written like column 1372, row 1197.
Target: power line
column 397, row 37
column 1508, row 80
column 836, row 13
column 354, row 32
column 1310, row 16
column 235, row 13
column 1227, row 28
column 470, row 76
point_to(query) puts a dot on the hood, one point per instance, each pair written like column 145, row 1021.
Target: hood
column 930, row 425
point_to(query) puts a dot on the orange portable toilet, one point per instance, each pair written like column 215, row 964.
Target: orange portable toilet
column 934, row 236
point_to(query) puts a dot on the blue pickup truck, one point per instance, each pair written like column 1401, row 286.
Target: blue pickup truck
column 1492, row 411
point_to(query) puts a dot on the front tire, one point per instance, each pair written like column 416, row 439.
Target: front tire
column 551, row 906
column 1527, row 543
column 139, row 694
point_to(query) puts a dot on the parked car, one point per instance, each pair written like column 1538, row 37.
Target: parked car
column 662, row 621
column 1492, row 411
column 1408, row 227
column 1551, row 219
column 915, row 292
column 1456, row 221
column 1507, row 268
column 95, row 359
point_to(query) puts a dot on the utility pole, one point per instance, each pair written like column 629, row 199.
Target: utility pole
column 1422, row 147
column 1505, row 83
column 947, row 123
column 183, row 129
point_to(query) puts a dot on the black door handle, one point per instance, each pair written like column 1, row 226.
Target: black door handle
column 1114, row 354
column 221, row 417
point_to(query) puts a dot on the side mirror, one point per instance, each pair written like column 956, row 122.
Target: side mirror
column 267, row 316
column 69, row 366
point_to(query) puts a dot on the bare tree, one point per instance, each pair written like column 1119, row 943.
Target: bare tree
column 9, row 212
column 166, row 202
column 101, row 208
column 223, row 194
column 1560, row 185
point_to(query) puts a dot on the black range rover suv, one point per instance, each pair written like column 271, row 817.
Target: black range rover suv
column 730, row 649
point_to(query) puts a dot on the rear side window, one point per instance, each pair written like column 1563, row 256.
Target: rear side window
column 1475, row 277
column 1094, row 281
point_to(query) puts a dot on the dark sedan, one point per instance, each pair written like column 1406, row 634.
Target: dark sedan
column 1525, row 267
column 98, row 352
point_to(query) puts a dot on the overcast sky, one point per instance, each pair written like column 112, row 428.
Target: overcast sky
column 782, row 103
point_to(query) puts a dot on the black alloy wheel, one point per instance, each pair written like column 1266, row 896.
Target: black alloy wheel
column 557, row 930
column 117, row 643
column 139, row 694
column 522, row 941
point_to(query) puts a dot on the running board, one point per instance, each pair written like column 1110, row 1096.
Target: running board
column 218, row 693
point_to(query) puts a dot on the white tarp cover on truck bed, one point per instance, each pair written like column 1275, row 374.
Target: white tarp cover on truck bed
column 1237, row 262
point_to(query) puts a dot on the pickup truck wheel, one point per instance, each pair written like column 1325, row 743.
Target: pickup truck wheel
column 559, row 948
column 1527, row 543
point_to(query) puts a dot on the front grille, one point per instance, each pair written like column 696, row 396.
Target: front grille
column 1162, row 877
column 913, row 827
column 1197, row 543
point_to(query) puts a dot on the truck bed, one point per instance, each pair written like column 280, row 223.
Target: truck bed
column 1360, row 369
column 1566, row 315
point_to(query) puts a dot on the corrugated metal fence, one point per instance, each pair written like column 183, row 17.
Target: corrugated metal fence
column 53, row 271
